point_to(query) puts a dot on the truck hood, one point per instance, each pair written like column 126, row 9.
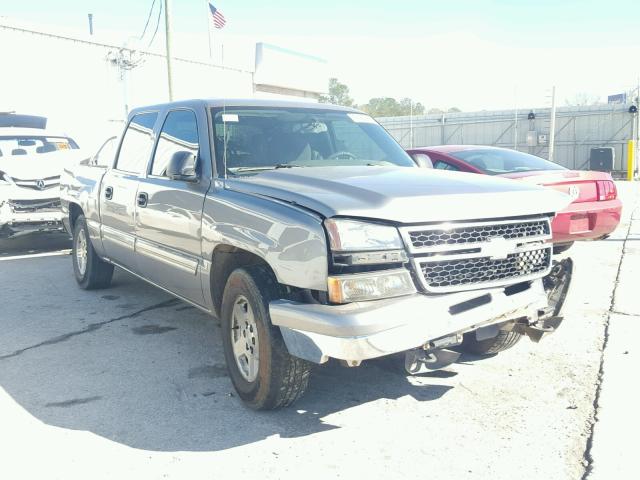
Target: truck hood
column 401, row 194
column 38, row 165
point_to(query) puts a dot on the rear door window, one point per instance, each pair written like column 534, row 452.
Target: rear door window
column 179, row 133
column 440, row 165
column 137, row 143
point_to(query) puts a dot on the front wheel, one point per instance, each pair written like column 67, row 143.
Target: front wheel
column 489, row 346
column 90, row 271
column 262, row 371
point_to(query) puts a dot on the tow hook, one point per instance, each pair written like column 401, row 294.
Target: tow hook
column 434, row 355
column 536, row 331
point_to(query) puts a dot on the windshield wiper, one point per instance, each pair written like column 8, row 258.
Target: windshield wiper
column 260, row 169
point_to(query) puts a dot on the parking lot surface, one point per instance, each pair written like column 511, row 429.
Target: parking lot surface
column 130, row 383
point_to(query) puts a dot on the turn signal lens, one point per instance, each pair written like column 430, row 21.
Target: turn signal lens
column 370, row 286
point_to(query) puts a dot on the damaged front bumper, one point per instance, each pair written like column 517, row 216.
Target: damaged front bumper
column 359, row 331
column 21, row 216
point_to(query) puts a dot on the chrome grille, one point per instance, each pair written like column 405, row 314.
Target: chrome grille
column 444, row 275
column 449, row 257
column 38, row 184
column 472, row 234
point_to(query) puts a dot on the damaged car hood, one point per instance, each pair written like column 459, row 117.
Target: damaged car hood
column 401, row 194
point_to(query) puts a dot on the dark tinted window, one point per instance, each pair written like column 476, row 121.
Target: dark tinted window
column 495, row 161
column 137, row 143
column 440, row 165
column 179, row 132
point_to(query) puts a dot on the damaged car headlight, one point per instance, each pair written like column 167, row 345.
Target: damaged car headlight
column 353, row 235
column 5, row 179
column 370, row 286
column 356, row 246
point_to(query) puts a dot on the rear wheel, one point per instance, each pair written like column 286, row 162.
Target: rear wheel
column 489, row 346
column 90, row 271
column 263, row 372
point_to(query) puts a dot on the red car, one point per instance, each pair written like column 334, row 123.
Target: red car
column 594, row 212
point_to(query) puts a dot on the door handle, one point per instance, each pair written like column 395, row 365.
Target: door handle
column 108, row 193
column 143, row 198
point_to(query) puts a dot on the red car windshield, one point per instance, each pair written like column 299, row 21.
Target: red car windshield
column 495, row 161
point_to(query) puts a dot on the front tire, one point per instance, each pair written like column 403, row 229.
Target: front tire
column 90, row 271
column 262, row 371
column 489, row 346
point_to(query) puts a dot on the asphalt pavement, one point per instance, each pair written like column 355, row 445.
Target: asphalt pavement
column 130, row 383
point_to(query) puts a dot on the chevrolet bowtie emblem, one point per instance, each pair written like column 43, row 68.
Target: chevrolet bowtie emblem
column 498, row 248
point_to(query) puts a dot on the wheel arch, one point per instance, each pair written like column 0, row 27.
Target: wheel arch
column 225, row 259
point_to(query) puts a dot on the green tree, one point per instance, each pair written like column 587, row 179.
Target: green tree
column 390, row 107
column 338, row 94
column 454, row 110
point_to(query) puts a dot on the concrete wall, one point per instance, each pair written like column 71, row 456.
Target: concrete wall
column 577, row 130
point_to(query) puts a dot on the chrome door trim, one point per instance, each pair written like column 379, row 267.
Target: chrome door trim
column 125, row 239
column 180, row 297
column 170, row 257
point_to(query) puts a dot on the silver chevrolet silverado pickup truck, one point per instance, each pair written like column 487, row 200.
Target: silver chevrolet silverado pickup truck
column 311, row 234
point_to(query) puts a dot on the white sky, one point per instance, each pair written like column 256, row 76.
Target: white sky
column 472, row 54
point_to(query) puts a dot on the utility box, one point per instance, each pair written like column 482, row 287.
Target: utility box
column 543, row 139
column 602, row 159
column 532, row 138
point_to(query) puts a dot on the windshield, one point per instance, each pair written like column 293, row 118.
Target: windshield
column 496, row 161
column 16, row 146
column 252, row 139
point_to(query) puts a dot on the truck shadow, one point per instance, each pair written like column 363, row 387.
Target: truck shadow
column 154, row 378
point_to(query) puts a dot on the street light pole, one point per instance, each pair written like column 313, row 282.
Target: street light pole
column 552, row 126
column 167, row 27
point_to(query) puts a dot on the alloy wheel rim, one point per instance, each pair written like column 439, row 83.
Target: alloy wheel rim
column 244, row 339
column 81, row 252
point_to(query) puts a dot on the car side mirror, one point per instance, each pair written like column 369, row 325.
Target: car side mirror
column 182, row 166
column 422, row 160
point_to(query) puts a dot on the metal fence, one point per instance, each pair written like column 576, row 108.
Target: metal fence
column 578, row 129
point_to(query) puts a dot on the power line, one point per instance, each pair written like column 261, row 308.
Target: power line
column 157, row 24
column 153, row 4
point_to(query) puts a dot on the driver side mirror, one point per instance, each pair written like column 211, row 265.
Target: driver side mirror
column 422, row 160
column 182, row 166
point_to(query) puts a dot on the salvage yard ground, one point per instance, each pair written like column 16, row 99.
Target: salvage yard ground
column 130, row 383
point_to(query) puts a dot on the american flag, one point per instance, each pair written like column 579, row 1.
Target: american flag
column 218, row 17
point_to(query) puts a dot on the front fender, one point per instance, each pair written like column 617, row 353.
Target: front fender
column 290, row 239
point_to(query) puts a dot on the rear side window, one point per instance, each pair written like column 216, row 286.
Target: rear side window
column 137, row 143
column 440, row 165
column 179, row 133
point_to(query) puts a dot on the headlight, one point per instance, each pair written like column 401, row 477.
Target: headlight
column 352, row 235
column 4, row 178
column 370, row 286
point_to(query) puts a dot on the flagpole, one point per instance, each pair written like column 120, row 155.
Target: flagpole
column 208, row 17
